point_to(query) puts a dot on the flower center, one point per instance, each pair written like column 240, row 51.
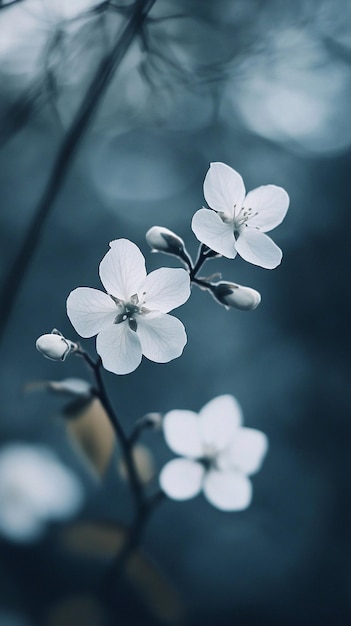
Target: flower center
column 127, row 311
column 209, row 458
column 240, row 218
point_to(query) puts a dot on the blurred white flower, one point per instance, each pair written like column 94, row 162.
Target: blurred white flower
column 131, row 319
column 11, row 618
column 238, row 223
column 35, row 487
column 218, row 454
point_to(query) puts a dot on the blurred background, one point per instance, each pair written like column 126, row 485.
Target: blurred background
column 265, row 87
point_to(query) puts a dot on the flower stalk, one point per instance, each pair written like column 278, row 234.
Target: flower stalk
column 204, row 254
column 118, row 564
column 123, row 440
column 143, row 505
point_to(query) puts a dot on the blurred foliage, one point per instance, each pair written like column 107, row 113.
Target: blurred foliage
column 192, row 64
column 90, row 429
column 106, row 541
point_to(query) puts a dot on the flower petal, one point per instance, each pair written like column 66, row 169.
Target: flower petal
column 210, row 229
column 246, row 452
column 119, row 348
column 181, row 479
column 223, row 188
column 271, row 204
column 162, row 336
column 19, row 521
column 165, row 289
column 220, row 419
column 182, row 433
column 257, row 248
column 228, row 491
column 90, row 310
column 122, row 270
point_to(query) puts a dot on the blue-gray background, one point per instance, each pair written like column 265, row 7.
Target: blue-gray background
column 264, row 87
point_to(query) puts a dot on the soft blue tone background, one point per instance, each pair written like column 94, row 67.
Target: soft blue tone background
column 264, row 87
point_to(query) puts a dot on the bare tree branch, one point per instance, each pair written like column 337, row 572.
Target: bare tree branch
column 66, row 154
column 7, row 5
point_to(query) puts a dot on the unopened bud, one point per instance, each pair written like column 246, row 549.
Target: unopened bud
column 55, row 346
column 162, row 239
column 153, row 420
column 237, row 296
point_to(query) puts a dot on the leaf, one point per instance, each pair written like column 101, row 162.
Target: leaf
column 76, row 609
column 100, row 540
column 75, row 387
column 71, row 387
column 157, row 591
column 143, row 461
column 90, row 430
column 105, row 540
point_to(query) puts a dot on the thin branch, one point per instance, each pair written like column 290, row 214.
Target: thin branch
column 124, row 443
column 203, row 284
column 9, row 4
column 97, row 88
column 120, row 561
column 150, row 420
column 19, row 111
column 143, row 505
column 123, row 440
column 204, row 254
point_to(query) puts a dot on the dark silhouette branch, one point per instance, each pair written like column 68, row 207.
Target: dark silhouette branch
column 7, row 5
column 19, row 111
column 125, row 444
column 119, row 563
column 143, row 504
column 70, row 144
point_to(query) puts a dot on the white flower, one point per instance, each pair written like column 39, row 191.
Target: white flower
column 131, row 320
column 238, row 223
column 218, row 454
column 34, row 488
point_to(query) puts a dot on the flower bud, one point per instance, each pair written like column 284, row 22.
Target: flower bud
column 232, row 295
column 162, row 239
column 153, row 420
column 55, row 346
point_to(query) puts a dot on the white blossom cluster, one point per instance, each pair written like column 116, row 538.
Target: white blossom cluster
column 131, row 318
